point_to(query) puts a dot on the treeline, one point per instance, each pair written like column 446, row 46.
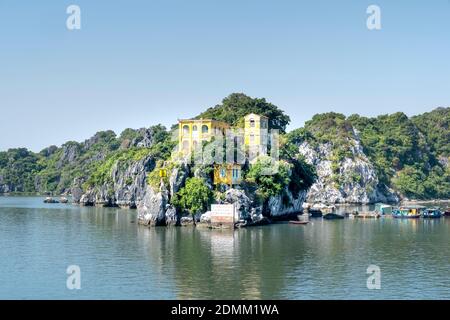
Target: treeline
column 54, row 169
column 410, row 154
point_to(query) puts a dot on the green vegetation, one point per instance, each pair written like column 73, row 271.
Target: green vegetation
column 17, row 169
column 435, row 126
column 102, row 171
column 410, row 155
column 403, row 157
column 273, row 178
column 54, row 169
column 332, row 128
column 194, row 197
column 405, row 152
column 154, row 178
column 237, row 105
column 161, row 149
column 270, row 176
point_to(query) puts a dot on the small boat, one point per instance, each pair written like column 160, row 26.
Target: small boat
column 63, row 200
column 447, row 212
column 50, row 200
column 432, row 213
column 333, row 216
column 412, row 212
column 298, row 222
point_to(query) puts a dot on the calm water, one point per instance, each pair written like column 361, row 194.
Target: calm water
column 122, row 260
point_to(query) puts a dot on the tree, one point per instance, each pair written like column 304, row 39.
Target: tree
column 194, row 197
column 237, row 105
column 271, row 177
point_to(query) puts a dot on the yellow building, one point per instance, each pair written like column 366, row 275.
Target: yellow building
column 227, row 174
column 192, row 133
column 256, row 133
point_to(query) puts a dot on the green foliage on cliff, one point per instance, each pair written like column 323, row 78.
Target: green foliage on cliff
column 404, row 151
column 17, row 169
column 270, row 176
column 403, row 156
column 194, row 197
column 435, row 125
column 54, row 169
column 154, row 178
column 237, row 105
column 409, row 154
column 102, row 171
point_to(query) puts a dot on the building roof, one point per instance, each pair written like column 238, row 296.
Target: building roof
column 203, row 120
column 256, row 115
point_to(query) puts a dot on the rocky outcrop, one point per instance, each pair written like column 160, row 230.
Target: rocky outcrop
column 70, row 152
column 178, row 178
column 155, row 210
column 352, row 179
column 153, row 207
column 126, row 188
column 250, row 210
column 286, row 204
column 242, row 202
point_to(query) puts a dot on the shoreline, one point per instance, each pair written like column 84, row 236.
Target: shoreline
column 403, row 202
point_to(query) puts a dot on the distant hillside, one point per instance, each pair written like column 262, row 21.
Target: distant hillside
column 54, row 169
column 404, row 155
column 435, row 126
column 359, row 159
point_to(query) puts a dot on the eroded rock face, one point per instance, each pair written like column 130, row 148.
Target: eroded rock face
column 70, row 152
column 241, row 201
column 76, row 190
column 172, row 216
column 126, row 189
column 355, row 182
column 178, row 178
column 286, row 205
column 152, row 208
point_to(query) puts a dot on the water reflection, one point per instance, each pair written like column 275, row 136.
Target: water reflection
column 119, row 259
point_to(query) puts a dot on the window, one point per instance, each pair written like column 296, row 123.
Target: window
column 223, row 173
column 185, row 145
column 252, row 123
column 194, row 128
column 205, row 128
column 236, row 173
column 185, row 129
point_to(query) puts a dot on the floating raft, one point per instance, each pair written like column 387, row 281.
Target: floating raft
column 298, row 222
column 368, row 215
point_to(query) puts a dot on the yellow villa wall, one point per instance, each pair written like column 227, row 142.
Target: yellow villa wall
column 191, row 137
column 260, row 133
column 228, row 179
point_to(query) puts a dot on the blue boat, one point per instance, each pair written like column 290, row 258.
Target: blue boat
column 412, row 212
column 432, row 213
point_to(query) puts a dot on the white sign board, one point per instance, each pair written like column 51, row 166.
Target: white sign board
column 222, row 214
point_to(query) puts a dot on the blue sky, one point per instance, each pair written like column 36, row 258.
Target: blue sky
column 138, row 63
